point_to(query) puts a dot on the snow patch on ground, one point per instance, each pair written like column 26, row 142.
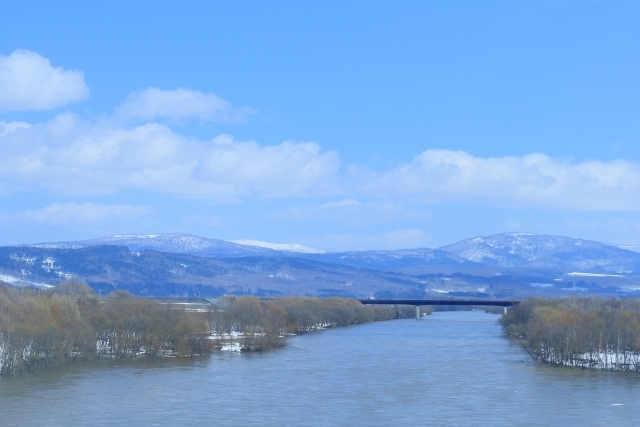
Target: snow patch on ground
column 16, row 281
column 628, row 247
column 607, row 360
column 593, row 274
column 48, row 264
column 234, row 347
column 281, row 275
column 29, row 261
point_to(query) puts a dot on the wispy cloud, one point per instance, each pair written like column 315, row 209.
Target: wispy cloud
column 28, row 81
column 341, row 204
column 153, row 104
column 73, row 213
column 7, row 127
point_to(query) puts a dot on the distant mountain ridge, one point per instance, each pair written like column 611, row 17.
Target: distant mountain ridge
column 546, row 251
column 396, row 260
column 153, row 273
column 173, row 242
column 506, row 250
column 502, row 266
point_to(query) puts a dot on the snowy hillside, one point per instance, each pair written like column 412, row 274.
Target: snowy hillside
column 544, row 251
column 286, row 247
column 628, row 247
column 397, row 260
column 184, row 265
column 522, row 250
column 174, row 243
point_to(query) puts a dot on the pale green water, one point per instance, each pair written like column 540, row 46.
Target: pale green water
column 448, row 369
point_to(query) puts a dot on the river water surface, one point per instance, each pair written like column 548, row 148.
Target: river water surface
column 452, row 368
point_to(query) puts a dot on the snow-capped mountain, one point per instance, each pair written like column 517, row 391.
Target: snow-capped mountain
column 174, row 243
column 187, row 244
column 286, row 247
column 107, row 268
column 522, row 250
column 502, row 265
column 544, row 251
column 628, row 247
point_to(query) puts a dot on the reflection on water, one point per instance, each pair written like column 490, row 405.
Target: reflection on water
column 450, row 368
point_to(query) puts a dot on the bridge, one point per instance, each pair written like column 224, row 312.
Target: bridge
column 419, row 302
column 200, row 304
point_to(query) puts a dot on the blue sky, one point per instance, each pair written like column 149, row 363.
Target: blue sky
column 339, row 125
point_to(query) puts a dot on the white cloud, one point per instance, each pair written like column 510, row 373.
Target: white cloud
column 534, row 180
column 154, row 103
column 73, row 157
column 289, row 169
column 86, row 213
column 28, row 81
column 7, row 127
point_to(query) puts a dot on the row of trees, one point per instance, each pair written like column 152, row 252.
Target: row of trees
column 578, row 332
column 263, row 324
column 40, row 329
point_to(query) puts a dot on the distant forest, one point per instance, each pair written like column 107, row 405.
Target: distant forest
column 44, row 328
column 578, row 332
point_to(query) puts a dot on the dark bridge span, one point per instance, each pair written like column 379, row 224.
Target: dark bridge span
column 489, row 302
column 419, row 302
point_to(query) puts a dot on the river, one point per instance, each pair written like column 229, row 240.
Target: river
column 451, row 368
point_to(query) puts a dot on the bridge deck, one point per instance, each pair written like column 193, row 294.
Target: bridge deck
column 485, row 302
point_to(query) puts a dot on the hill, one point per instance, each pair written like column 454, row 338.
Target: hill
column 173, row 242
column 505, row 265
column 153, row 273
column 525, row 250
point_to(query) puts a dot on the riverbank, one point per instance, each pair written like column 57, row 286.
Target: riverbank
column 250, row 324
column 67, row 324
column 578, row 332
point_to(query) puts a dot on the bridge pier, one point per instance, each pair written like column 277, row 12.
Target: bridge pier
column 504, row 310
column 417, row 312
